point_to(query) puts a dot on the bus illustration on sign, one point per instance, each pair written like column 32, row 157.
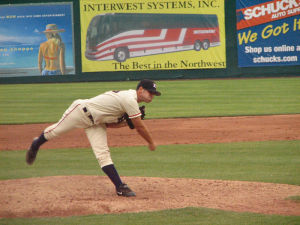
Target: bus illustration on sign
column 119, row 36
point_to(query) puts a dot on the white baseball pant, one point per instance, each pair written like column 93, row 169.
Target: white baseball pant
column 76, row 117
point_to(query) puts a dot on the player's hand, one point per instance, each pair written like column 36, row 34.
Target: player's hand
column 152, row 147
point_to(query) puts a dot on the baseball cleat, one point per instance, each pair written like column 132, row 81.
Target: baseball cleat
column 124, row 190
column 32, row 151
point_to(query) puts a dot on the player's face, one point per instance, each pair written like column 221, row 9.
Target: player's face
column 146, row 96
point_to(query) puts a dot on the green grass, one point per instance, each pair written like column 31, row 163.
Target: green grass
column 35, row 103
column 186, row 216
column 294, row 198
column 271, row 161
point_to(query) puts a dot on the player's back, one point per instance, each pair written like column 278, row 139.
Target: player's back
column 111, row 105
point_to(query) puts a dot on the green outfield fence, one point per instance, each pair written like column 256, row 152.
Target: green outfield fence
column 232, row 70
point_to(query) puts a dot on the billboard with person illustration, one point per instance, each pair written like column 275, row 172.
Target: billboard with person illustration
column 36, row 39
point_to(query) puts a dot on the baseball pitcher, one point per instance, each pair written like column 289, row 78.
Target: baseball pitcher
column 112, row 109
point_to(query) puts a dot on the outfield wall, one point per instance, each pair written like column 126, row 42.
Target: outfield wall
column 232, row 69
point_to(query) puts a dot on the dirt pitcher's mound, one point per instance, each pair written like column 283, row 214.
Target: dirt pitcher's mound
column 83, row 195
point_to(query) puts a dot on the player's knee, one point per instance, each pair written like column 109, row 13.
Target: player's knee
column 49, row 134
column 104, row 158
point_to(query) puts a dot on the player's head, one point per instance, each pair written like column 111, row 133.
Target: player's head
column 149, row 85
column 146, row 90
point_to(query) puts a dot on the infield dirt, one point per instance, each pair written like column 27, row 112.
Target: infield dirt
column 82, row 195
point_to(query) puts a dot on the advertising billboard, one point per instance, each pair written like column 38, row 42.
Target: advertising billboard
column 36, row 39
column 152, row 35
column 268, row 32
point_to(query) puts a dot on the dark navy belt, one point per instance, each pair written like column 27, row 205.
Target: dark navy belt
column 89, row 116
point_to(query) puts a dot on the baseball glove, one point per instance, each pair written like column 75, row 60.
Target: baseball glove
column 129, row 122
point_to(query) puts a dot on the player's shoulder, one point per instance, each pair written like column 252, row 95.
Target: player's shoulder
column 126, row 95
column 129, row 92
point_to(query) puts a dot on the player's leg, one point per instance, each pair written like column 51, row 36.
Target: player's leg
column 33, row 150
column 72, row 118
column 98, row 139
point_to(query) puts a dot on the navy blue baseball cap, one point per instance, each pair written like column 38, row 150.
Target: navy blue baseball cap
column 149, row 85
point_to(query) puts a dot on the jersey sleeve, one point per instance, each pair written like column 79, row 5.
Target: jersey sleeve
column 132, row 109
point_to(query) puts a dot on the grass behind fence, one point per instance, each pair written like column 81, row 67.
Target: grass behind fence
column 35, row 103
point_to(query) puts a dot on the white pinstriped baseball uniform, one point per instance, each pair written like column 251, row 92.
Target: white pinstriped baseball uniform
column 92, row 115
